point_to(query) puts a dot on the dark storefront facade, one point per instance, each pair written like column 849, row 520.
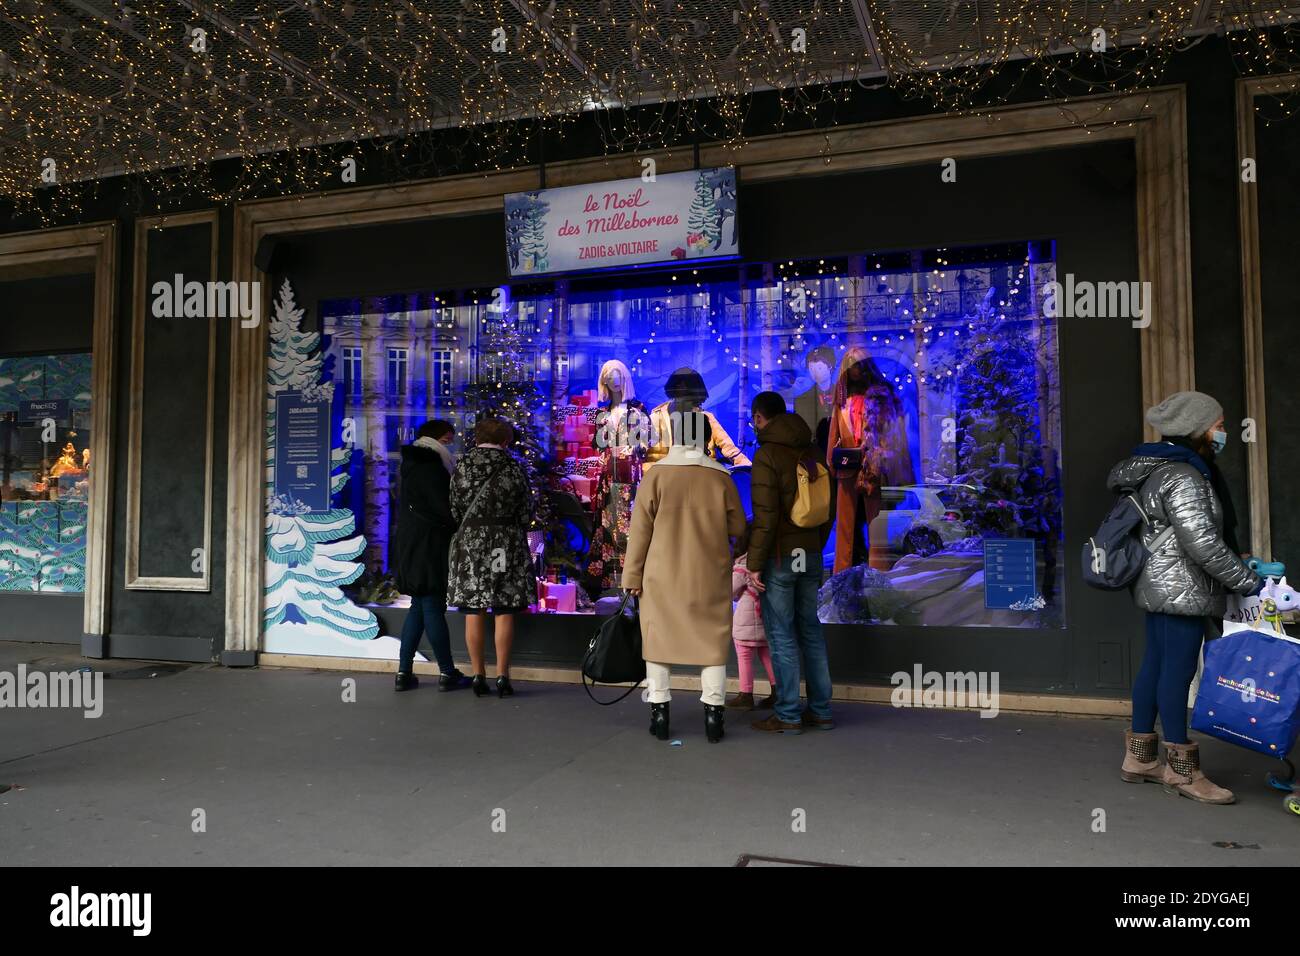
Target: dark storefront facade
column 385, row 305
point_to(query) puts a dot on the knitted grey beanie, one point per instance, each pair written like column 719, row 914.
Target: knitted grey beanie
column 1184, row 414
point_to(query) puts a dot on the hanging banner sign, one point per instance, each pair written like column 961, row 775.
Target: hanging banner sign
column 302, row 449
column 679, row 217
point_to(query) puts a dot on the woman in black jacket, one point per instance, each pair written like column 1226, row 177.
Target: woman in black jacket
column 424, row 529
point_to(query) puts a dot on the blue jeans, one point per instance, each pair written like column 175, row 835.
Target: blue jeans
column 428, row 612
column 790, row 619
column 1168, row 666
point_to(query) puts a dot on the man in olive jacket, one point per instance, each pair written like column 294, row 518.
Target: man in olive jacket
column 785, row 565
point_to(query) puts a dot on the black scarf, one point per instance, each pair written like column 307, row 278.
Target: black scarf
column 1220, row 487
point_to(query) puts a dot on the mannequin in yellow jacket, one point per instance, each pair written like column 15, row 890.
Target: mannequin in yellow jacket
column 686, row 387
column 719, row 440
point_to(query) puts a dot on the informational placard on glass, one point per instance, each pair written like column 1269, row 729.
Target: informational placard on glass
column 670, row 217
column 302, row 449
column 1010, row 581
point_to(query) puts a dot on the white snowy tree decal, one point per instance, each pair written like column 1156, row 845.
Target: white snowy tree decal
column 308, row 555
column 702, row 218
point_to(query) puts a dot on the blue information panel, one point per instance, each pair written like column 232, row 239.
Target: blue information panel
column 302, row 450
column 36, row 411
column 1010, row 573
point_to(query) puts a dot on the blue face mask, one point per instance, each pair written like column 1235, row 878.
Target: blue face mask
column 1218, row 441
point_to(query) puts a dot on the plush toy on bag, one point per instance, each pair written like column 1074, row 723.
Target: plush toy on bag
column 1263, row 610
column 1249, row 693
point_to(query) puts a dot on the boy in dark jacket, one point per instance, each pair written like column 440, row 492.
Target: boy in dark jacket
column 785, row 566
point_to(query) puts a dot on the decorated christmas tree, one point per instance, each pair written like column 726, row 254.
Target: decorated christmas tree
column 1000, row 384
column 702, row 219
column 309, row 555
column 505, row 388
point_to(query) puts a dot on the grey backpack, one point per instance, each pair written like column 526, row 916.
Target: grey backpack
column 1115, row 555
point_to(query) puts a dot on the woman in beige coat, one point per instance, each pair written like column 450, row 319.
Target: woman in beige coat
column 679, row 562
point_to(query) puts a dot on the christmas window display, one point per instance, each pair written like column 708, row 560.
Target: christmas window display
column 45, row 422
column 930, row 380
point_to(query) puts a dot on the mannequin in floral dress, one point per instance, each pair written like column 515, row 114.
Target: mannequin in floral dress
column 622, row 434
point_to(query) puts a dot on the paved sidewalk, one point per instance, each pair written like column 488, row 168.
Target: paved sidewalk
column 287, row 773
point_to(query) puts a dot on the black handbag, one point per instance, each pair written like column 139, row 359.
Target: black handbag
column 614, row 653
column 846, row 461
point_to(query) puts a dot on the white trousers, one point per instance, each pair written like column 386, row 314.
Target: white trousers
column 713, row 683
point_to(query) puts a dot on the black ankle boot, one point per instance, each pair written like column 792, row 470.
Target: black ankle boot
column 713, row 722
column 406, row 681
column 480, row 685
column 659, row 720
column 503, row 687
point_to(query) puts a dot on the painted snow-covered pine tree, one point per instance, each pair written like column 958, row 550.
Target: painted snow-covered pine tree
column 534, row 245
column 309, row 555
column 702, row 218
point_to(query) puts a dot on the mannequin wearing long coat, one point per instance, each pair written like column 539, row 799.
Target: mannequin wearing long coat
column 871, row 420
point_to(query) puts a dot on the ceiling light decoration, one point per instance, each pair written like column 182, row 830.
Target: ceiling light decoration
column 287, row 89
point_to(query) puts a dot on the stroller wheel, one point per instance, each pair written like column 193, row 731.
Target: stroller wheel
column 1292, row 803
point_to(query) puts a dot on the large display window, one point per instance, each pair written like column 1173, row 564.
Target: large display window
column 937, row 368
column 45, row 421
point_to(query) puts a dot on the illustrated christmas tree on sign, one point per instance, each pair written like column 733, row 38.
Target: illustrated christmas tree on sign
column 526, row 232
column 702, row 219
column 309, row 556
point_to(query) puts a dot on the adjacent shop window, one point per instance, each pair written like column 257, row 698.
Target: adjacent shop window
column 929, row 379
column 45, row 420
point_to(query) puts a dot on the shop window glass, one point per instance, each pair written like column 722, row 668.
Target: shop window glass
column 939, row 364
column 45, row 421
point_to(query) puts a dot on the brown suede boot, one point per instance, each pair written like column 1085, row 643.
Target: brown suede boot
column 1141, row 759
column 1183, row 775
column 742, row 701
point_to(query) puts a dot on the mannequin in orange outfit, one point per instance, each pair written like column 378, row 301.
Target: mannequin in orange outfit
column 866, row 414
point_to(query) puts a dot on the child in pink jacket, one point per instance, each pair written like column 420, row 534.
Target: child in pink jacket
column 749, row 637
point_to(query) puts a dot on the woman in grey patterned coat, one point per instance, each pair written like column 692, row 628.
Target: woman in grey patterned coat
column 1192, row 567
column 491, row 568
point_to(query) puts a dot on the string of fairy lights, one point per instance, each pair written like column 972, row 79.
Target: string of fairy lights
column 294, row 90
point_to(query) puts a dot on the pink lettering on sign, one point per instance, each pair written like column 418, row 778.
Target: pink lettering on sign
column 589, row 204
column 568, row 229
column 632, row 200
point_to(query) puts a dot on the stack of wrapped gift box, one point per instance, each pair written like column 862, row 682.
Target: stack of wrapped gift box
column 576, row 421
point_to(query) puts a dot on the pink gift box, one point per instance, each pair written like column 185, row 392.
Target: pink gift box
column 581, row 486
column 561, row 597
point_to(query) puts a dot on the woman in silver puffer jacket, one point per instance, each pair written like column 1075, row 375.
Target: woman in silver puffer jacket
column 1185, row 581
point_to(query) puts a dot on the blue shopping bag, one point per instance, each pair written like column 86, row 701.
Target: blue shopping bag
column 1250, row 691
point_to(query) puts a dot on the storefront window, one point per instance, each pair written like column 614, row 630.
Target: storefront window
column 45, row 420
column 931, row 376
